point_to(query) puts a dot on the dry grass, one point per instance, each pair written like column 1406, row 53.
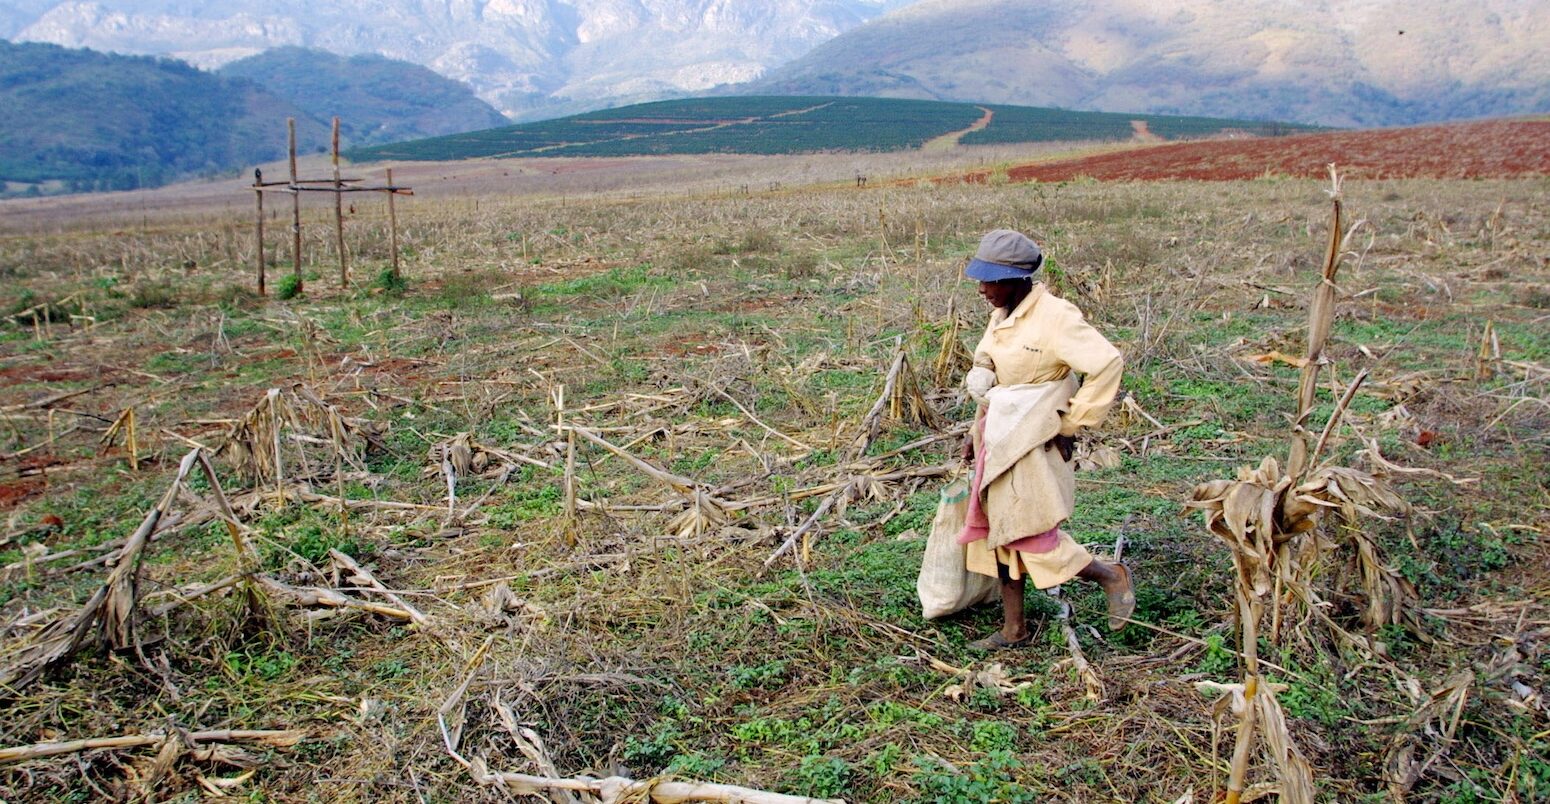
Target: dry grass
column 734, row 344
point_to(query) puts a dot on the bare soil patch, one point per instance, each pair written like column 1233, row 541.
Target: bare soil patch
column 1144, row 131
column 12, row 494
column 1489, row 149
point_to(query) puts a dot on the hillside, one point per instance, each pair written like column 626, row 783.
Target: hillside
column 1332, row 62
column 528, row 58
column 783, row 125
column 80, row 120
column 377, row 99
column 1492, row 149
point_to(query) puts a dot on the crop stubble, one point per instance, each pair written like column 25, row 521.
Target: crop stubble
column 622, row 642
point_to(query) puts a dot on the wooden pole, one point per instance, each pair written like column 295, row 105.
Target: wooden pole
column 290, row 126
column 258, row 192
column 131, row 441
column 344, row 266
column 392, row 222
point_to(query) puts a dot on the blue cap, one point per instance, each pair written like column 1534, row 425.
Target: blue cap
column 1005, row 254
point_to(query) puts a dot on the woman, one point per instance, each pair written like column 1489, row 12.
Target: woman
column 1030, row 413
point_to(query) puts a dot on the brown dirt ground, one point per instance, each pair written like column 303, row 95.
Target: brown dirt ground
column 1486, row 149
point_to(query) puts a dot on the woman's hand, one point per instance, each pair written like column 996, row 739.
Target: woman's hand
column 978, row 382
column 968, row 449
column 1066, row 445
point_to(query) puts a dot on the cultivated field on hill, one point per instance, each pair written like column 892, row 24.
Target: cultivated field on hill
column 524, row 503
column 789, row 125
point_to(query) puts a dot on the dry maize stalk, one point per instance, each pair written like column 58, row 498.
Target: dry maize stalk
column 125, row 425
column 110, row 611
column 1321, row 316
column 277, row 739
column 618, row 790
column 1268, row 517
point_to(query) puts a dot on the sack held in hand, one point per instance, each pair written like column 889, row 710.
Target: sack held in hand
column 946, row 585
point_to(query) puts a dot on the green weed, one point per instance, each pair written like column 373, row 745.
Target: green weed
column 262, row 666
column 654, row 750
column 390, row 669
column 919, row 511
column 878, row 578
column 988, row 781
column 288, row 287
column 390, row 283
column 993, row 735
column 527, row 503
column 769, row 675
column 610, row 284
column 823, row 777
column 775, row 731
column 884, row 760
column 695, row 765
column 310, row 535
column 885, row 714
column 1217, row 660
column 175, row 362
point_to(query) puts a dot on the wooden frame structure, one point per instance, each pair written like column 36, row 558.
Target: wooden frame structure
column 295, row 186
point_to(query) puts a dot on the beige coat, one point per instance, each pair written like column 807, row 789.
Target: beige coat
column 1034, row 350
column 1026, row 488
column 1045, row 339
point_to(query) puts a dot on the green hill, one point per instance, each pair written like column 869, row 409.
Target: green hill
column 786, row 125
column 376, row 98
column 79, row 120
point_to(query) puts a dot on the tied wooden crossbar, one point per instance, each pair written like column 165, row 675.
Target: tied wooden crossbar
column 338, row 186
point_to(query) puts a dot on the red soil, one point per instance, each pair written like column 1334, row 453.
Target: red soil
column 64, row 375
column 32, row 372
column 685, row 347
column 14, row 493
column 33, row 480
column 1487, row 149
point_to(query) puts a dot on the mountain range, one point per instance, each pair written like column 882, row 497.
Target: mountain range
column 1332, row 62
column 1329, row 62
column 78, row 119
column 529, row 58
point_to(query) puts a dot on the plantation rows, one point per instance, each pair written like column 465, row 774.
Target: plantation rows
column 789, row 125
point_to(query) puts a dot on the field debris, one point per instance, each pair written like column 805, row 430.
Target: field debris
column 452, row 718
column 108, row 617
column 617, row 790
column 611, row 499
column 1437, row 720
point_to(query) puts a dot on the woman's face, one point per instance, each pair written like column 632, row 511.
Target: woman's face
column 1004, row 294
